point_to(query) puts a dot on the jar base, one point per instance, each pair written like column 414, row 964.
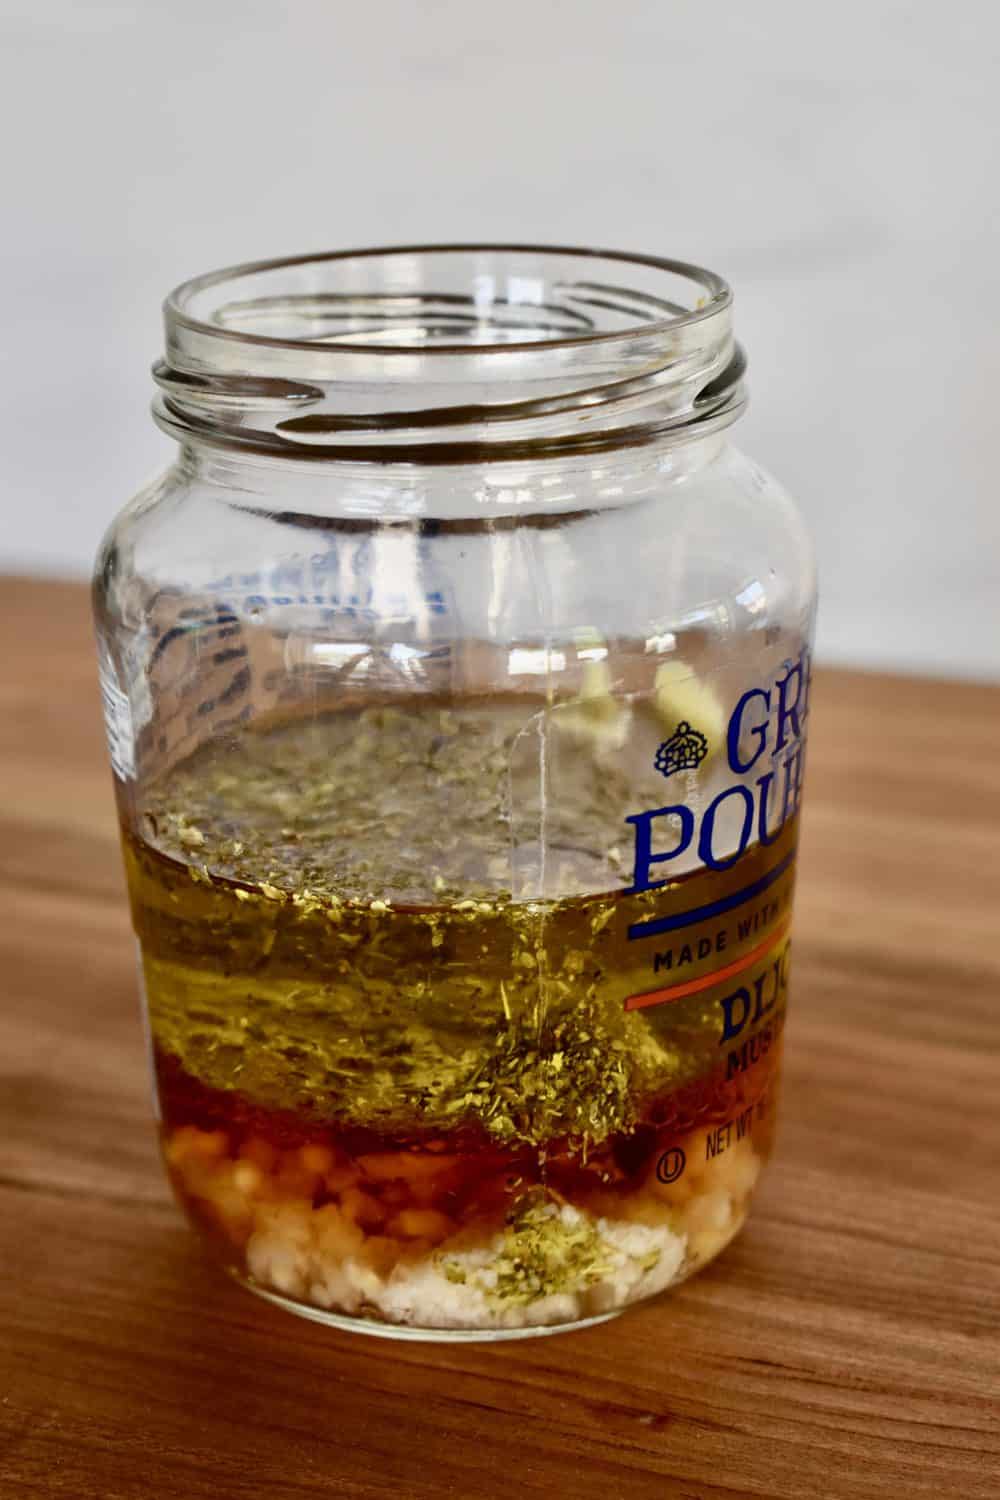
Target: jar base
column 373, row 1327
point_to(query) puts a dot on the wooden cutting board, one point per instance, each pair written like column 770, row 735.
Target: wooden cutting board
column 848, row 1345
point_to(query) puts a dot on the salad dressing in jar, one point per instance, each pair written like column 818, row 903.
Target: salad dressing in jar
column 457, row 680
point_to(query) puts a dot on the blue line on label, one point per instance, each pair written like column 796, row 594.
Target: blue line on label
column 713, row 908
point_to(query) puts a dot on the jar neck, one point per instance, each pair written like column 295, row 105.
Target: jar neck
column 484, row 491
column 454, row 356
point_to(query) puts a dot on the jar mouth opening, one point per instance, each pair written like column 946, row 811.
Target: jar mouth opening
column 449, row 354
column 447, row 300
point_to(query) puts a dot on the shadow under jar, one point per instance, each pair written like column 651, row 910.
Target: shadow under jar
column 456, row 678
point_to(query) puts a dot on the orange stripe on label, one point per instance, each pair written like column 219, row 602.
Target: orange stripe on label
column 706, row 981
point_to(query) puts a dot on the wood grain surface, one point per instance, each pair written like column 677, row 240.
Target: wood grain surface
column 846, row 1345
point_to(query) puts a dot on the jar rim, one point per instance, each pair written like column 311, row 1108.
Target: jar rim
column 304, row 355
column 718, row 298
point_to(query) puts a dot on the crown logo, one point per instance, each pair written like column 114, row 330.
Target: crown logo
column 684, row 751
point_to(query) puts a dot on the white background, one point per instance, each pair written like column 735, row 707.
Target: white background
column 837, row 163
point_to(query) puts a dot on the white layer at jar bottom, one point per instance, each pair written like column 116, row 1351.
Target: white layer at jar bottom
column 454, row 1287
column 317, row 1260
column 490, row 1332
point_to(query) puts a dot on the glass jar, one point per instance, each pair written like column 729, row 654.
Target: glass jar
column 456, row 679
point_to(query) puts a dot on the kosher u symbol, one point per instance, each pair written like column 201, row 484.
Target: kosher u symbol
column 671, row 1165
